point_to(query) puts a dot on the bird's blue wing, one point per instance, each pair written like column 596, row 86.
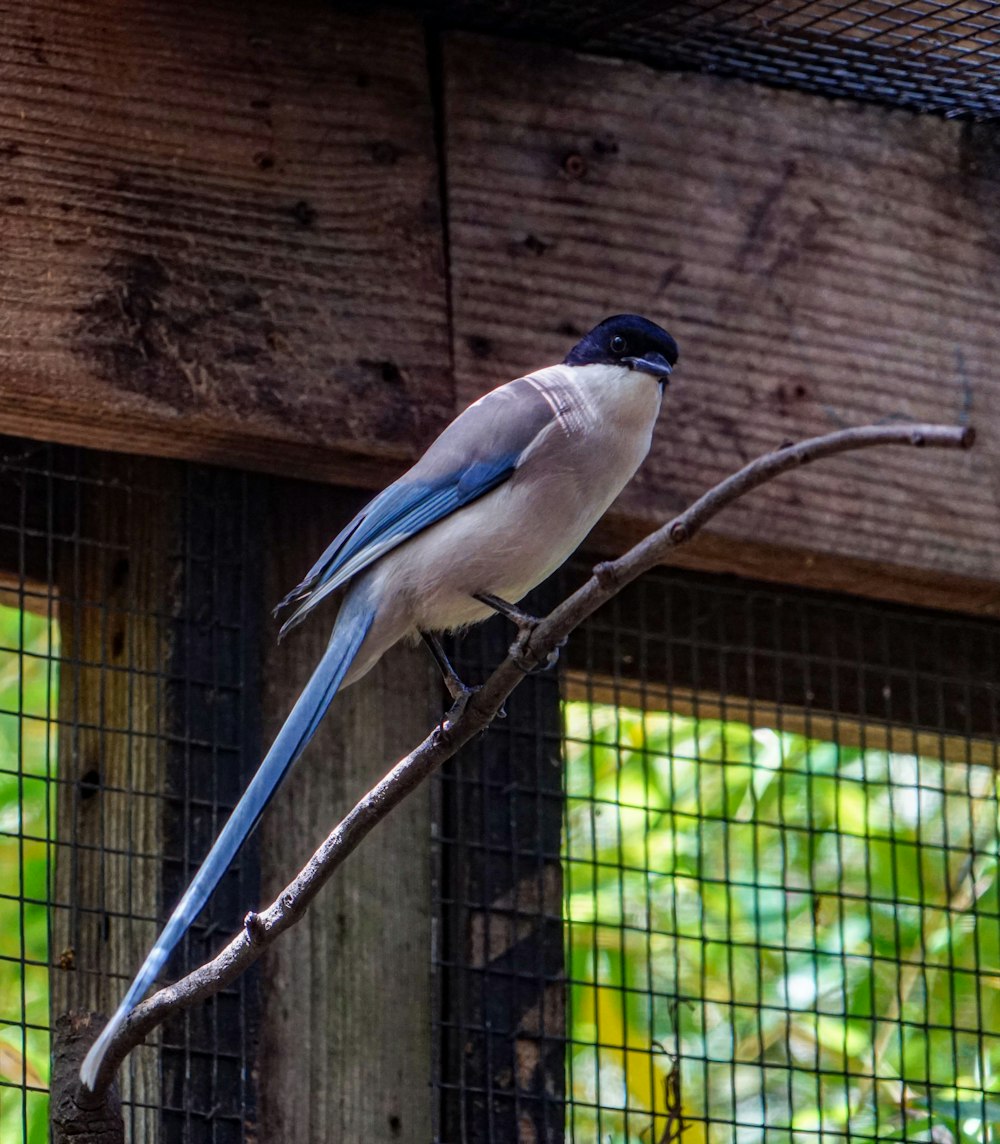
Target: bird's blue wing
column 475, row 454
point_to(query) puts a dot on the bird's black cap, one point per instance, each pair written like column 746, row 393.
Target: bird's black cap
column 629, row 340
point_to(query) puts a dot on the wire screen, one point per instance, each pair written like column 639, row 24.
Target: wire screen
column 498, row 960
column 777, row 876
column 931, row 55
column 127, row 725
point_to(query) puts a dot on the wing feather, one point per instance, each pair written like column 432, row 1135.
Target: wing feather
column 476, row 453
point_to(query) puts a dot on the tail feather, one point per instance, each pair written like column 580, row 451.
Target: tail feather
column 352, row 626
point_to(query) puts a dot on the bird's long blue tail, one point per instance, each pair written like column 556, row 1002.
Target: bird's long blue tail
column 352, row 626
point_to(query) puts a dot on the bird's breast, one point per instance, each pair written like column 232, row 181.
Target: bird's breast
column 512, row 538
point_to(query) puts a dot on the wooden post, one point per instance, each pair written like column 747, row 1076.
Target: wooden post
column 345, row 1051
column 158, row 728
column 114, row 575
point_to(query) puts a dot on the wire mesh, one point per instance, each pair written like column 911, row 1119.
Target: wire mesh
column 127, row 727
column 500, row 1016
column 777, row 878
column 730, row 875
column 940, row 56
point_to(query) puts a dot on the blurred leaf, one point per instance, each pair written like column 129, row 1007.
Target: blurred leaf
column 750, row 898
column 28, row 705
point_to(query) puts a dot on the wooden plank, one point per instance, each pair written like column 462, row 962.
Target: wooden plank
column 715, row 551
column 860, row 673
column 843, row 731
column 220, row 231
column 158, row 591
column 345, row 1046
column 820, row 263
column 114, row 585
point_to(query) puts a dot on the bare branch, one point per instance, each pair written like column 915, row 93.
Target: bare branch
column 260, row 930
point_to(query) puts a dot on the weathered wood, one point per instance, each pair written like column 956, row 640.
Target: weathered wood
column 113, row 584
column 859, row 674
column 346, row 1025
column 97, row 1122
column 158, row 727
column 820, row 264
column 807, row 568
column 220, row 232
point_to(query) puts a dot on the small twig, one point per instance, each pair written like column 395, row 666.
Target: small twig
column 609, row 578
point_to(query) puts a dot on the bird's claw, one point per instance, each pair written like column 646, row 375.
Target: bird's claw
column 520, row 651
column 455, row 712
column 526, row 660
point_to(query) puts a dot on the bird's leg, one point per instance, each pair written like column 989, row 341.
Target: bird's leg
column 459, row 691
column 525, row 625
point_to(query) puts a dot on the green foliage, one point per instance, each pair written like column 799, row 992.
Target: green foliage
column 757, row 925
column 786, row 919
column 27, row 808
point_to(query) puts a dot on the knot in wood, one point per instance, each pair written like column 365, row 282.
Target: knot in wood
column 574, row 165
column 604, row 574
column 678, row 532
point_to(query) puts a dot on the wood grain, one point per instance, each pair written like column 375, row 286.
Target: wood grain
column 820, row 263
column 112, row 588
column 221, row 234
column 829, row 571
column 346, row 1024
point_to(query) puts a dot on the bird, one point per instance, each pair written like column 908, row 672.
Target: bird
column 495, row 505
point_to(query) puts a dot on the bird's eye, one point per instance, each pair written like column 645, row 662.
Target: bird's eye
column 618, row 344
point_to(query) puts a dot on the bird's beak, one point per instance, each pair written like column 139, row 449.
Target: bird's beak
column 653, row 363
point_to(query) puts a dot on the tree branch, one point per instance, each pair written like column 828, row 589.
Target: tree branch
column 260, row 930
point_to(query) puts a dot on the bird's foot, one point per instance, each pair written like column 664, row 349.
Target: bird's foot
column 527, row 660
column 457, row 709
column 524, row 622
column 520, row 649
column 458, row 690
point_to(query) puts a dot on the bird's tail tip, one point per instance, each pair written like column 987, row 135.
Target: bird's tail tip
column 293, row 597
column 91, row 1067
column 293, row 621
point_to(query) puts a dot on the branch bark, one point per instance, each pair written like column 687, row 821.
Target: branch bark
column 261, row 929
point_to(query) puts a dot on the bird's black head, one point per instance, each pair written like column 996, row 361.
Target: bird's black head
column 630, row 341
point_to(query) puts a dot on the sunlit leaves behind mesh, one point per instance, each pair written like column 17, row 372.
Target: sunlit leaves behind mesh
column 787, row 919
column 28, row 678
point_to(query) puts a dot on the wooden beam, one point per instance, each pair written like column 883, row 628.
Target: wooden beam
column 820, row 263
column 806, row 568
column 221, row 234
column 346, row 1024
